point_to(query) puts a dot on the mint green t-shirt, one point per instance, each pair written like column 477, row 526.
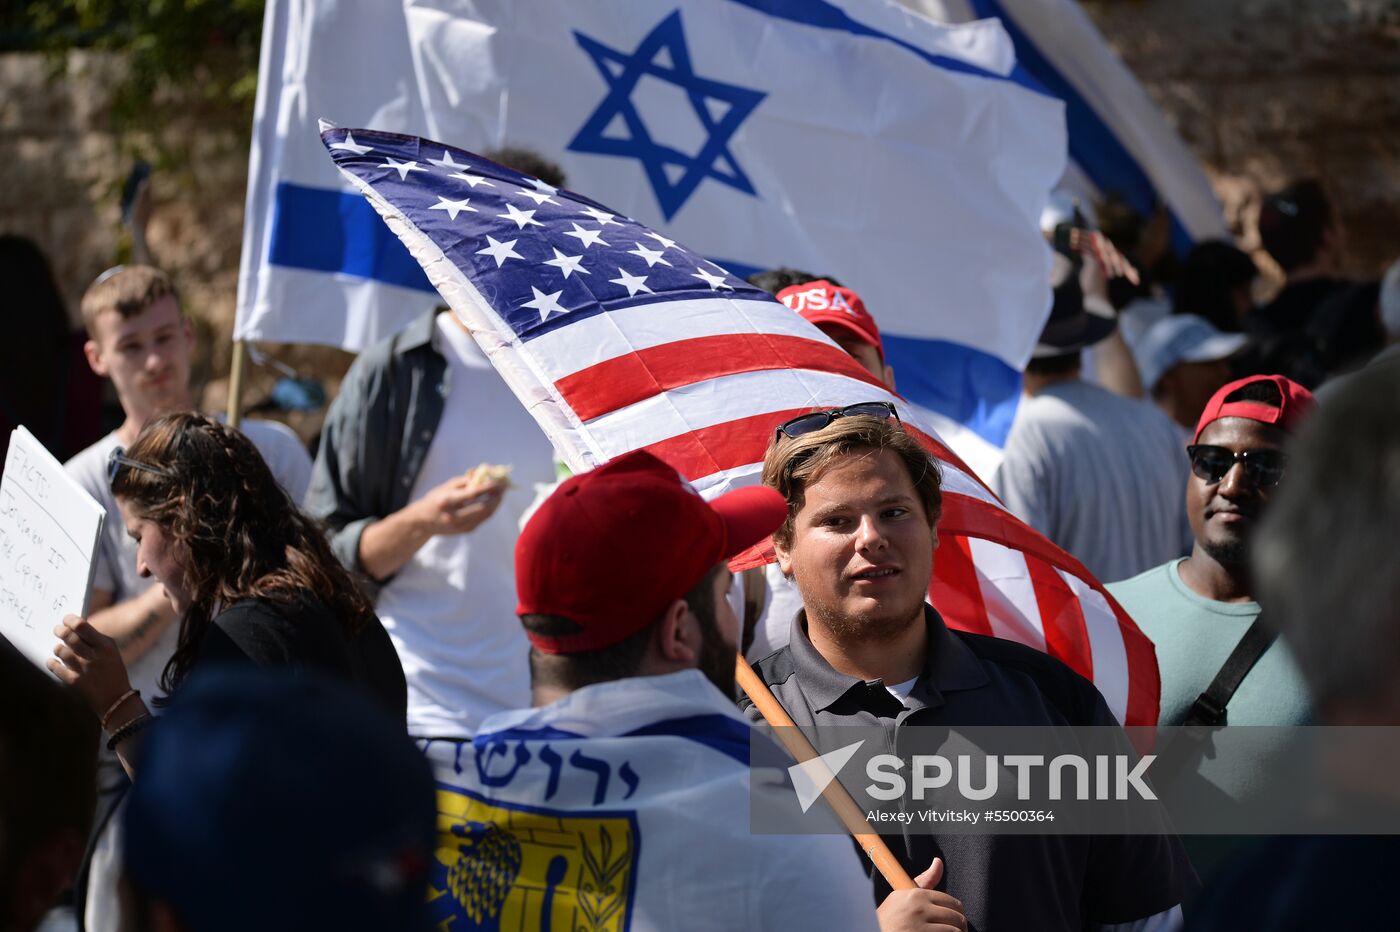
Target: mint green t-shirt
column 1194, row 636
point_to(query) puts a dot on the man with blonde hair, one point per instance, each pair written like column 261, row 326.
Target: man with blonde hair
column 863, row 500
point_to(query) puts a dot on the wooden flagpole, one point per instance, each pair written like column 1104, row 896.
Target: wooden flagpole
column 235, row 383
column 835, row 794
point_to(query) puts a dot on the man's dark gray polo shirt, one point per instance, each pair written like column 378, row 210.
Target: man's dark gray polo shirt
column 1005, row 882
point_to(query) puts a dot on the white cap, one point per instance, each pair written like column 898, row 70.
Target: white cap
column 1179, row 338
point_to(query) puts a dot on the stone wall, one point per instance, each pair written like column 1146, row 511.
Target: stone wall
column 1265, row 91
column 64, row 161
column 1262, row 90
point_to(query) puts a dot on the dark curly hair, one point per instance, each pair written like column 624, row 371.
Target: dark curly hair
column 239, row 534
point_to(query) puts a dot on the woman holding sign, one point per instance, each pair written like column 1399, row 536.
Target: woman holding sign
column 252, row 578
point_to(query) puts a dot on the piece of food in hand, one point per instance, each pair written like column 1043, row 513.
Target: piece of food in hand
column 490, row 472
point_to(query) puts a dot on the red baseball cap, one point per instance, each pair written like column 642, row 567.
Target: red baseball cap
column 821, row 302
column 1296, row 403
column 611, row 548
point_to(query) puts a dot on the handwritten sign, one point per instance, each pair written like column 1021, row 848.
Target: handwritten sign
column 49, row 529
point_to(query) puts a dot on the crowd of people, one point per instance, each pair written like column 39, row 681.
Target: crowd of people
column 283, row 647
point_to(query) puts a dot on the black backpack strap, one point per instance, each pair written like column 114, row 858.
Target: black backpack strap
column 1182, row 751
column 1209, row 707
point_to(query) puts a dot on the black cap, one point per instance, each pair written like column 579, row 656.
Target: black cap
column 1073, row 324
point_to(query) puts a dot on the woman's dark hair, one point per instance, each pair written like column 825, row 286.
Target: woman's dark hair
column 239, row 535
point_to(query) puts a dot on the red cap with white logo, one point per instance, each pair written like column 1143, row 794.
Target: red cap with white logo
column 821, row 302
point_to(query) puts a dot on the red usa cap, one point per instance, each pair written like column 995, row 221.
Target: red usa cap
column 610, row 549
column 821, row 302
column 1295, row 405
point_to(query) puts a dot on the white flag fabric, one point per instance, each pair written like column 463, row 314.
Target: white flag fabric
column 849, row 138
column 1119, row 141
column 601, row 810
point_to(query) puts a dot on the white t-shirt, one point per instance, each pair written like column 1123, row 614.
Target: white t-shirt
column 115, row 572
column 1101, row 475
column 451, row 609
column 901, row 691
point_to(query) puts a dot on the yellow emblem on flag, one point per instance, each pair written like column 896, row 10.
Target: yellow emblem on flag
column 501, row 866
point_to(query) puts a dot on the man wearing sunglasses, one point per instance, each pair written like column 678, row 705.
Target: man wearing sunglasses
column 1200, row 609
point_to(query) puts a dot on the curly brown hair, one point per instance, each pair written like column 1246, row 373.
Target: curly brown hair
column 240, row 535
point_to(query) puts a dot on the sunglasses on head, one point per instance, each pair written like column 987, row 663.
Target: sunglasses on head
column 807, row 423
column 118, row 458
column 1263, row 467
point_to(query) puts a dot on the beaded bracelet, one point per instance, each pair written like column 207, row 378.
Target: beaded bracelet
column 128, row 729
column 111, row 709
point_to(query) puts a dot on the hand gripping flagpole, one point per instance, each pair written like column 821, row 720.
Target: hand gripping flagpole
column 835, row 794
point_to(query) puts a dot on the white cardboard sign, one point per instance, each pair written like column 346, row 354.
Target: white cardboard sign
column 49, row 529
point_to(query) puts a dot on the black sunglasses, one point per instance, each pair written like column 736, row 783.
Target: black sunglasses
column 1263, row 467
column 806, row 423
column 118, row 458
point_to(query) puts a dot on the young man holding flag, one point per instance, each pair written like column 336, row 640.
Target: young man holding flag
column 863, row 499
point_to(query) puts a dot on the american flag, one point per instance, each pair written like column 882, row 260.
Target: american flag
column 617, row 338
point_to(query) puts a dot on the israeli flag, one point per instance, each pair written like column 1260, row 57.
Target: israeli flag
column 1118, row 139
column 849, row 138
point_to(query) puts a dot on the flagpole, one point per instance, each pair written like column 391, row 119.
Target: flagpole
column 235, row 383
column 835, row 794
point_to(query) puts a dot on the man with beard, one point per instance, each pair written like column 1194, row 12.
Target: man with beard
column 1198, row 608
column 1201, row 611
column 863, row 498
column 622, row 797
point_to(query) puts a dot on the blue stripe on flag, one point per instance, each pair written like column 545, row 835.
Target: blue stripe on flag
column 1092, row 142
column 974, row 388
column 547, row 733
column 333, row 231
column 824, row 15
column 719, row 732
column 727, row 735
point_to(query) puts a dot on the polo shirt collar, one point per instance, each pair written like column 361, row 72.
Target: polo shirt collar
column 949, row 666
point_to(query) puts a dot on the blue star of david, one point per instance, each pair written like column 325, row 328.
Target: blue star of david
column 713, row 161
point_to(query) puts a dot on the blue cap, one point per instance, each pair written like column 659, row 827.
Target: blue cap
column 273, row 801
